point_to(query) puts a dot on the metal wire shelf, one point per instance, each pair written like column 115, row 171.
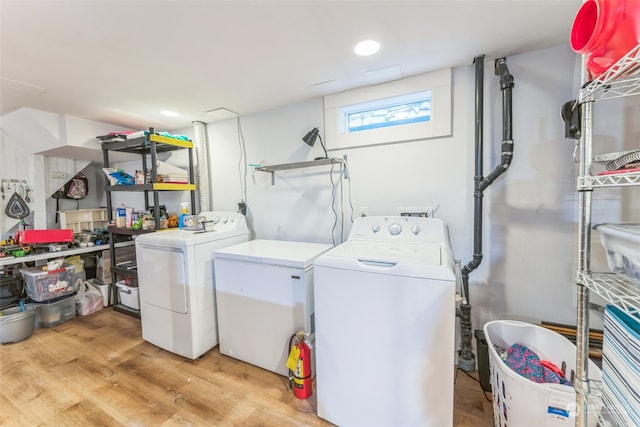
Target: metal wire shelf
column 595, row 402
column 621, row 79
column 609, row 180
column 624, row 293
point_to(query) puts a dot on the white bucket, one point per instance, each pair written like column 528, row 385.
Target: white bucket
column 104, row 290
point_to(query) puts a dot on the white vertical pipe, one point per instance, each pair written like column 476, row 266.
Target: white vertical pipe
column 203, row 183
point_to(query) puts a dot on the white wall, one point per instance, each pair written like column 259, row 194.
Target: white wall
column 530, row 213
column 27, row 137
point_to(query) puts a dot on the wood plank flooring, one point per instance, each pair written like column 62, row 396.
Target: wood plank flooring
column 97, row 371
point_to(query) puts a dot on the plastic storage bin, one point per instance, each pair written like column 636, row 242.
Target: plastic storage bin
column 46, row 285
column 54, row 312
column 129, row 295
column 16, row 325
column 518, row 401
column 622, row 242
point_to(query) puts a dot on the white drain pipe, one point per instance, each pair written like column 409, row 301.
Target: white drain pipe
column 203, row 183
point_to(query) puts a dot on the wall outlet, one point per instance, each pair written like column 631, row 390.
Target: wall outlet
column 419, row 211
column 364, row 211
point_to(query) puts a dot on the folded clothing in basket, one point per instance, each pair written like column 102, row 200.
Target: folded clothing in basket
column 526, row 362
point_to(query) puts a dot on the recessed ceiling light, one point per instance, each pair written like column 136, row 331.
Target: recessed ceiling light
column 367, row 47
column 169, row 113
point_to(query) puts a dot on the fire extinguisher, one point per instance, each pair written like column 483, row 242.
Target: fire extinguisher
column 299, row 364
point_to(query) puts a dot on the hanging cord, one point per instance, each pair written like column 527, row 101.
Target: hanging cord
column 341, row 204
column 475, row 379
column 348, row 178
column 290, row 371
column 242, row 161
column 333, row 201
column 344, row 174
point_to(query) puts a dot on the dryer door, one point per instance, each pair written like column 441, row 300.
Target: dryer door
column 162, row 277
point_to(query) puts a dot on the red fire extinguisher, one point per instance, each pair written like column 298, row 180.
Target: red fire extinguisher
column 299, row 364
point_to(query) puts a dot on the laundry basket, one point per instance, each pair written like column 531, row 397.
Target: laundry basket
column 518, row 401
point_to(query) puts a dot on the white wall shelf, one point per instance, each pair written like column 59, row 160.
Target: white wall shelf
column 298, row 165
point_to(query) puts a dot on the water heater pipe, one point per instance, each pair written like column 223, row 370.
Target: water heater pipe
column 466, row 359
column 203, row 184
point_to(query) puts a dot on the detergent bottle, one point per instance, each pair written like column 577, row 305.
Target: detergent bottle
column 184, row 213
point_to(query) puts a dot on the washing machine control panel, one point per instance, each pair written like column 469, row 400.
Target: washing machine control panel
column 399, row 229
column 225, row 221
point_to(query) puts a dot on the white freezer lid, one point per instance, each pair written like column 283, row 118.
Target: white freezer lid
column 427, row 260
column 274, row 252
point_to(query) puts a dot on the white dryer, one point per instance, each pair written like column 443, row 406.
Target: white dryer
column 176, row 281
column 385, row 325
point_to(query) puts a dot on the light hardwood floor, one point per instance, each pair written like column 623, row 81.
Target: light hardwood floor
column 97, row 371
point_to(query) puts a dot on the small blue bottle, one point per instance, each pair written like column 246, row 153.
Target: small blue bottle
column 183, row 215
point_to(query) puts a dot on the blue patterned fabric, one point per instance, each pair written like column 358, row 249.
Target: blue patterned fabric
column 526, row 362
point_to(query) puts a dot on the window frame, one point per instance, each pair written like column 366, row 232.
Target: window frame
column 439, row 125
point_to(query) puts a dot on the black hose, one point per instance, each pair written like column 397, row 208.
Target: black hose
column 290, row 371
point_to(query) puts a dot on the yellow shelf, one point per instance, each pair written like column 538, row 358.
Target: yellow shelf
column 169, row 186
column 159, row 139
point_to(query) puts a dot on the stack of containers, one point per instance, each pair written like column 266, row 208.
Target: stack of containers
column 622, row 243
column 53, row 292
column 621, row 338
column 621, row 366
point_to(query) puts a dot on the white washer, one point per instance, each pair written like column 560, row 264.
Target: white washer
column 385, row 325
column 264, row 290
column 176, row 281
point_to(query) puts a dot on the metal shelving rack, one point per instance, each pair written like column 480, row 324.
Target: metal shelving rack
column 621, row 80
column 147, row 146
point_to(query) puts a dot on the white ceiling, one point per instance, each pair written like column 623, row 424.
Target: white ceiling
column 120, row 62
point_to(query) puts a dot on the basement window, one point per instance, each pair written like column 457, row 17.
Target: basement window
column 394, row 111
column 410, row 109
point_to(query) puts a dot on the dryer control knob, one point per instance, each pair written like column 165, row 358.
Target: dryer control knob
column 216, row 219
column 415, row 229
column 395, row 229
column 375, row 228
column 224, row 221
